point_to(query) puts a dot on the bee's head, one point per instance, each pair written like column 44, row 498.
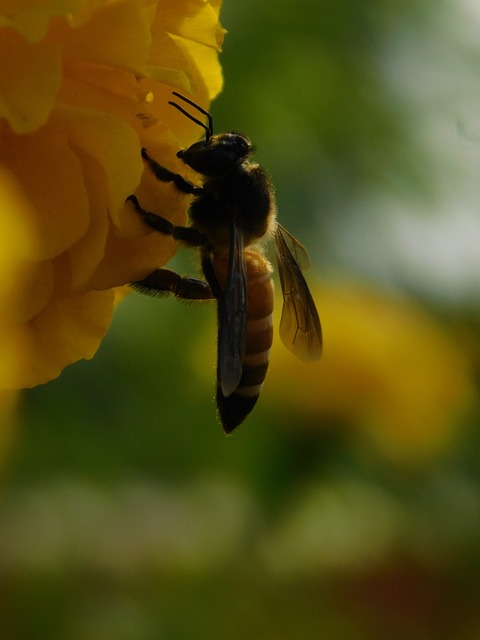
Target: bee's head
column 217, row 154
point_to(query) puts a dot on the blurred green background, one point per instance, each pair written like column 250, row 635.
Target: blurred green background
column 348, row 504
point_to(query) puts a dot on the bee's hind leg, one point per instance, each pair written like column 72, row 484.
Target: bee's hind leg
column 164, row 281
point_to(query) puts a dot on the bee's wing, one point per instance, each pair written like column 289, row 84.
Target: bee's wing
column 294, row 246
column 232, row 318
column 300, row 328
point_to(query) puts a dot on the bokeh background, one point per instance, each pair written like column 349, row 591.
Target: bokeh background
column 348, row 505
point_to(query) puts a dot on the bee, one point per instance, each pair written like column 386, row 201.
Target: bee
column 231, row 210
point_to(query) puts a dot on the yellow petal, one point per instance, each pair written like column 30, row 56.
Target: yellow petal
column 52, row 180
column 134, row 250
column 36, row 291
column 86, row 254
column 17, row 239
column 29, row 81
column 215, row 4
column 191, row 19
column 32, row 19
column 194, row 28
column 117, row 36
column 167, row 63
column 16, row 243
column 64, row 332
column 129, row 259
column 112, row 144
column 205, row 70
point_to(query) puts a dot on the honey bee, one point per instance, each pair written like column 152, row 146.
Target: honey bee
column 231, row 210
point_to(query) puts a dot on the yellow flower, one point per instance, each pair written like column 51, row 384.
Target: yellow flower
column 84, row 84
column 17, row 245
column 389, row 370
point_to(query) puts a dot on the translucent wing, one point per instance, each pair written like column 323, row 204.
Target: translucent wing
column 232, row 323
column 296, row 248
column 300, row 328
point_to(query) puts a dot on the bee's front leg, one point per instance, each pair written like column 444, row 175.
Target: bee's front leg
column 165, row 175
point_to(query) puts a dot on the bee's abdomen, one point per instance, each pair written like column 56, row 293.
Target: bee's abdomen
column 235, row 408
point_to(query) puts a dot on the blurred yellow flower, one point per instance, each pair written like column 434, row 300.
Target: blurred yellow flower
column 389, row 371
column 83, row 86
column 17, row 246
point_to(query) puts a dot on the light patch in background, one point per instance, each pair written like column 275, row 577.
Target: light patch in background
column 426, row 238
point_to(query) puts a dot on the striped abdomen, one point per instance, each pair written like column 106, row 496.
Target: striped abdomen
column 234, row 408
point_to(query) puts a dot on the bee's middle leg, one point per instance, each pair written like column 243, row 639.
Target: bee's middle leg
column 188, row 235
column 164, row 281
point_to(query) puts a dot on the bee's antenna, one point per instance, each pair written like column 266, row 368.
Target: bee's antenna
column 208, row 128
